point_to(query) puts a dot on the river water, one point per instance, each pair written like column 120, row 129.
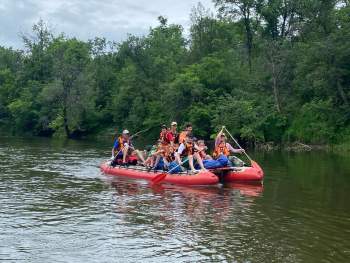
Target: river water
column 56, row 206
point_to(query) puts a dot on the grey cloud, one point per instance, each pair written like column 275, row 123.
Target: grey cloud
column 85, row 19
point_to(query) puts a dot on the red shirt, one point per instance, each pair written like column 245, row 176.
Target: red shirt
column 169, row 137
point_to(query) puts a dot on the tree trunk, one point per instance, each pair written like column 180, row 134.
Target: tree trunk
column 65, row 122
column 342, row 94
column 283, row 30
column 65, row 118
column 275, row 88
column 249, row 43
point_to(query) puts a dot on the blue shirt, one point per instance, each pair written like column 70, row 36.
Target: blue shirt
column 116, row 144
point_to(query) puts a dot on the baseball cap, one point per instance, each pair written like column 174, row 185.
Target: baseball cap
column 125, row 132
column 173, row 123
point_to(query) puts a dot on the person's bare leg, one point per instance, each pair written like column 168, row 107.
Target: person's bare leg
column 177, row 158
column 140, row 156
column 166, row 163
column 125, row 153
column 157, row 161
column 148, row 161
column 199, row 160
column 152, row 161
column 208, row 157
column 190, row 162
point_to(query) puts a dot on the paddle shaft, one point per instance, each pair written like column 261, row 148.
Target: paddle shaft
column 142, row 131
column 132, row 136
column 172, row 169
column 160, row 177
column 250, row 159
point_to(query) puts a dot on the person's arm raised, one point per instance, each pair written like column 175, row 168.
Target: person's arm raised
column 217, row 139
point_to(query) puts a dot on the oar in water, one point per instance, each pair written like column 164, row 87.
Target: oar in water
column 160, row 177
column 252, row 162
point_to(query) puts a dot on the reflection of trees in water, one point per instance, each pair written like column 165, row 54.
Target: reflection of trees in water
column 193, row 203
column 201, row 218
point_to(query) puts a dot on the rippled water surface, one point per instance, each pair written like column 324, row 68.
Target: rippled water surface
column 56, row 206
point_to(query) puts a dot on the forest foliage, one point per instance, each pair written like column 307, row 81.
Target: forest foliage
column 270, row 70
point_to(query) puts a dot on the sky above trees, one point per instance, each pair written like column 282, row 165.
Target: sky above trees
column 113, row 19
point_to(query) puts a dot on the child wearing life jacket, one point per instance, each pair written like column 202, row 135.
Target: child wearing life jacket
column 169, row 157
column 184, row 133
column 152, row 155
column 163, row 146
column 172, row 136
column 190, row 149
column 222, row 147
column 163, row 135
column 202, row 148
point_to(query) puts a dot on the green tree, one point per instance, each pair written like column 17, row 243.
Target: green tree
column 71, row 91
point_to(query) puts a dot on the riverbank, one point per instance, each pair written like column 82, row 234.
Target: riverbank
column 108, row 136
column 302, row 147
column 296, row 146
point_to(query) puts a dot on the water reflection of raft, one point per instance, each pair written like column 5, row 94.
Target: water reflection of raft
column 242, row 174
column 139, row 172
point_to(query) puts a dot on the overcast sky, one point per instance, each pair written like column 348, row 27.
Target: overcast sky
column 86, row 19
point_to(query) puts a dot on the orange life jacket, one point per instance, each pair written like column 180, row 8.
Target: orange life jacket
column 221, row 149
column 121, row 142
column 170, row 155
column 162, row 138
column 182, row 136
column 189, row 149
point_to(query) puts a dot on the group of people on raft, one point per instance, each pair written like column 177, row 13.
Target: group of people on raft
column 173, row 150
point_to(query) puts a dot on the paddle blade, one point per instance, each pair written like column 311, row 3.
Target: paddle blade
column 158, row 178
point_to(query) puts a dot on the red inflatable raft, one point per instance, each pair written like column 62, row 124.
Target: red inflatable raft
column 138, row 172
column 252, row 173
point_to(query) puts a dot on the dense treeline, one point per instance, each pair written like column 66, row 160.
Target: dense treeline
column 271, row 70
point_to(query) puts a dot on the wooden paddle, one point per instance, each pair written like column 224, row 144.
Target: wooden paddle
column 253, row 163
column 160, row 177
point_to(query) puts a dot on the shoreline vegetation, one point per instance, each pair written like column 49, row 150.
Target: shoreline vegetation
column 275, row 73
column 260, row 147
